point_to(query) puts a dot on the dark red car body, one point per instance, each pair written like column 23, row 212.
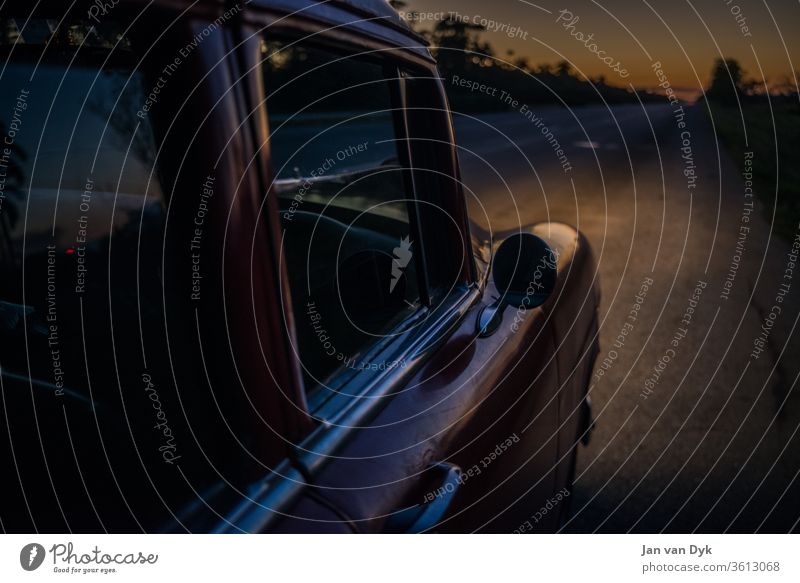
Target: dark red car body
column 508, row 408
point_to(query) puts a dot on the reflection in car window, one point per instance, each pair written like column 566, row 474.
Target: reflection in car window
column 340, row 180
column 82, row 315
column 79, row 175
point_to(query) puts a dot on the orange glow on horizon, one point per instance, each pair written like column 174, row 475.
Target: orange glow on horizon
column 685, row 38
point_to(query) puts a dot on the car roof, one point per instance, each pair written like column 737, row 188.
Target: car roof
column 376, row 8
column 375, row 18
column 372, row 18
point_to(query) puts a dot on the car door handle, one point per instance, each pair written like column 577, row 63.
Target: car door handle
column 423, row 517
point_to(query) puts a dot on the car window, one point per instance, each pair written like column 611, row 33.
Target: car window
column 79, row 181
column 340, row 175
column 437, row 185
column 82, row 295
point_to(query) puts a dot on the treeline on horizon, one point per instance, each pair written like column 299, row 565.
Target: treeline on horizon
column 462, row 53
column 730, row 85
column 766, row 125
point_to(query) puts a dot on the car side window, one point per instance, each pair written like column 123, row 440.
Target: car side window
column 340, row 174
column 84, row 205
column 92, row 335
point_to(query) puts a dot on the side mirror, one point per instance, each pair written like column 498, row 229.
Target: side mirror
column 524, row 270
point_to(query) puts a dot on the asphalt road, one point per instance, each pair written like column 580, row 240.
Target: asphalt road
column 697, row 430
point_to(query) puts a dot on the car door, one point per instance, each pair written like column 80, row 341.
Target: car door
column 381, row 296
column 132, row 391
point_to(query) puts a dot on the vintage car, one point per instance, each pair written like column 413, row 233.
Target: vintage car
column 241, row 290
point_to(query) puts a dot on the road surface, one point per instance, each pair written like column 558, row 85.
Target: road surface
column 697, row 419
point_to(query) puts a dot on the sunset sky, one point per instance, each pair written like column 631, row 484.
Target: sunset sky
column 684, row 36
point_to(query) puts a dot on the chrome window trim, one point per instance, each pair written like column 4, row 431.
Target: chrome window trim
column 270, row 498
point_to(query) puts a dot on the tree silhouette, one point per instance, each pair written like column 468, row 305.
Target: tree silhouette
column 546, row 69
column 727, row 81
column 458, row 46
column 563, row 68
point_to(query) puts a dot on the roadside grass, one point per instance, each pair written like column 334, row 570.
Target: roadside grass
column 776, row 178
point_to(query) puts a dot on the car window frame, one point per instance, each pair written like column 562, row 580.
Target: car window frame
column 437, row 177
column 391, row 69
column 348, row 385
column 336, row 417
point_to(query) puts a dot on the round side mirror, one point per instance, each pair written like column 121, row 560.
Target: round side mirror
column 524, row 271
